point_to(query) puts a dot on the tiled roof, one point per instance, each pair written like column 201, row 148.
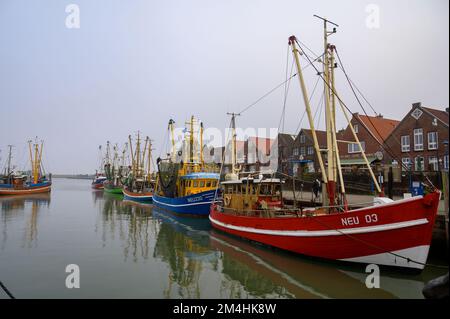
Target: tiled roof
column 379, row 126
column 441, row 115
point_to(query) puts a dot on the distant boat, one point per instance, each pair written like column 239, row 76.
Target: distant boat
column 16, row 183
column 186, row 187
column 114, row 170
column 99, row 177
column 139, row 184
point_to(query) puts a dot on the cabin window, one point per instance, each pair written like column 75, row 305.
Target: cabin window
column 195, row 183
column 214, row 184
column 208, row 184
column 202, row 183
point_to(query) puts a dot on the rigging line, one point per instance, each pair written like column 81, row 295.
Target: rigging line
column 283, row 113
column 369, row 244
column 345, row 105
column 223, row 160
column 10, row 295
column 276, row 87
column 362, row 95
column 297, row 131
column 390, row 151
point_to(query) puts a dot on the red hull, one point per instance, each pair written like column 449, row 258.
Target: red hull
column 367, row 235
column 26, row 191
column 98, row 186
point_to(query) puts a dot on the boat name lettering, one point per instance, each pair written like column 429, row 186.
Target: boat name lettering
column 351, row 221
column 372, row 218
column 195, row 199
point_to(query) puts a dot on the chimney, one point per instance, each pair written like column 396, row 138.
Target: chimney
column 417, row 104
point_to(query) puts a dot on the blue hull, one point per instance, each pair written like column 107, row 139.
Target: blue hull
column 196, row 205
column 145, row 199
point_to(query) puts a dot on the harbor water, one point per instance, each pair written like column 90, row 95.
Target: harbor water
column 131, row 250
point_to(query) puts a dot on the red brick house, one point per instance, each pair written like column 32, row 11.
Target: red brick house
column 371, row 131
column 420, row 140
column 303, row 158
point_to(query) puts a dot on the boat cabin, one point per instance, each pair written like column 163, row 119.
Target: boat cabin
column 194, row 183
column 249, row 194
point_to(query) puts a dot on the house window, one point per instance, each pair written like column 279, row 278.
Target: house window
column 419, row 163
column 310, row 150
column 446, row 162
column 433, row 163
column 295, row 151
column 354, row 148
column 356, row 128
column 406, row 161
column 405, row 143
column 432, row 140
column 302, row 139
column 302, row 151
column 418, row 139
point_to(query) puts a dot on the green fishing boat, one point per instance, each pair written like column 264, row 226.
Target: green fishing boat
column 115, row 171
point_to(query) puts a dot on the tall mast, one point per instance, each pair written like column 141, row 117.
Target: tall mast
column 292, row 41
column 234, row 169
column 201, row 144
column 149, row 167
column 191, row 140
column 138, row 154
column 172, row 134
column 133, row 163
column 9, row 160
column 144, row 153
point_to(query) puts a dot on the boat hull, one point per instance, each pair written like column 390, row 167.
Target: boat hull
column 197, row 205
column 381, row 234
column 138, row 197
column 28, row 189
column 113, row 190
column 97, row 186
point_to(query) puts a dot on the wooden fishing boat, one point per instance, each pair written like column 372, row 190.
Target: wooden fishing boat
column 115, row 170
column 186, row 186
column 99, row 177
column 21, row 184
column 394, row 233
column 139, row 184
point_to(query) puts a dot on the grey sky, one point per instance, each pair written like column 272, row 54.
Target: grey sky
column 135, row 64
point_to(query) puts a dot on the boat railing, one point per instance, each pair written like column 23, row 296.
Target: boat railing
column 292, row 211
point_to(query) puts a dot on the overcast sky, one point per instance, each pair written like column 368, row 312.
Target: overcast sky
column 133, row 65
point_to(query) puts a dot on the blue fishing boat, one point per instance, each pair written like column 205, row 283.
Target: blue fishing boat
column 186, row 185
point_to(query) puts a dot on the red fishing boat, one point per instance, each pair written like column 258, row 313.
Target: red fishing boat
column 394, row 233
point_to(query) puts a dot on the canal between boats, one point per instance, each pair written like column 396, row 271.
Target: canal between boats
column 130, row 250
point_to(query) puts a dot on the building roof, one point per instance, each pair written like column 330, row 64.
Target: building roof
column 439, row 114
column 379, row 126
column 321, row 136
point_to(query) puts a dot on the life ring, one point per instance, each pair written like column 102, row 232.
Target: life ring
column 227, row 200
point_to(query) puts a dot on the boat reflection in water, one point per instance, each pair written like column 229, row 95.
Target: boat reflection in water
column 201, row 262
column 131, row 220
column 11, row 206
column 184, row 244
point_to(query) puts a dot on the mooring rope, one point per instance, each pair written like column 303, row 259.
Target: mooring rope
column 10, row 295
column 381, row 248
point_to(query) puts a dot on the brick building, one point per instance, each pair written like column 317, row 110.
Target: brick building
column 372, row 131
column 420, row 140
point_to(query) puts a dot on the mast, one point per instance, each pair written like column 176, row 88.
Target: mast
column 8, row 172
column 191, row 140
column 234, row 169
column 138, row 154
column 292, row 41
column 133, row 163
column 172, row 134
column 149, row 167
column 201, row 144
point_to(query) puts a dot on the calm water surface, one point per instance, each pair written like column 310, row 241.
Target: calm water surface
column 130, row 250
